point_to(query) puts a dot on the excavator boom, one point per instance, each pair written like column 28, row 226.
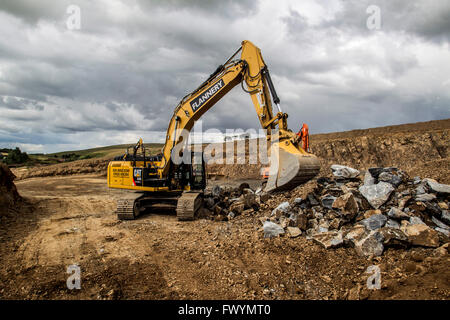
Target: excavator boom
column 290, row 164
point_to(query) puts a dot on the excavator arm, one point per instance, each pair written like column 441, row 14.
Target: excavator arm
column 290, row 165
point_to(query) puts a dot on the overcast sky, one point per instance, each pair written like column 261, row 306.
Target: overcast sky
column 120, row 76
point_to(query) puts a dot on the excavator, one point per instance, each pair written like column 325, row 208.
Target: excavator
column 159, row 181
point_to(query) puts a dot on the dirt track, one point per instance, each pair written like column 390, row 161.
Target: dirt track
column 157, row 257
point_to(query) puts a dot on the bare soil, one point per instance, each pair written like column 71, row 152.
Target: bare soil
column 72, row 221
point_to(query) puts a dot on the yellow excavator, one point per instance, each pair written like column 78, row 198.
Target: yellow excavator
column 159, row 181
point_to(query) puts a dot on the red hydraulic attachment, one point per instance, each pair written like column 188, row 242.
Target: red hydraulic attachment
column 304, row 135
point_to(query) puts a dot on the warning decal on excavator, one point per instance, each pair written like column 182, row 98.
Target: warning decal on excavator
column 206, row 95
column 122, row 173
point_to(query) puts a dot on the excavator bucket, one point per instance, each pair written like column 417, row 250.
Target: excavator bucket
column 290, row 167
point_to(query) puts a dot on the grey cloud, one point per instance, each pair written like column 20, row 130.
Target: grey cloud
column 130, row 64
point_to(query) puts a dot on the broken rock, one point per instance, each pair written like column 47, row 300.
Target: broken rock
column 397, row 214
column 354, row 235
column 421, row 235
column 330, row 239
column 327, row 201
column 445, row 217
column 392, row 224
column 425, row 197
column 394, row 238
column 272, row 229
column 437, row 187
column 344, row 172
column 294, row 232
column 370, row 245
column 376, row 194
column 347, row 205
column 282, row 208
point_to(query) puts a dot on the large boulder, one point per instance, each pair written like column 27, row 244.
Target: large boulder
column 377, row 194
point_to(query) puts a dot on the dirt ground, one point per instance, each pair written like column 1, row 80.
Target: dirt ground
column 70, row 220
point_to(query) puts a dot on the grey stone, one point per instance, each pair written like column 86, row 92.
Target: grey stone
column 374, row 222
column 297, row 201
column 209, row 202
column 437, row 187
column 272, row 229
column 396, row 213
column 368, row 179
column 344, row 171
column 416, row 180
column 416, row 220
column 371, row 245
column 376, row 194
column 390, row 178
column 327, row 201
column 425, row 197
column 443, row 231
column 392, row 224
column 421, row 189
column 283, row 207
column 217, row 191
column 312, row 200
column 445, row 216
column 440, row 224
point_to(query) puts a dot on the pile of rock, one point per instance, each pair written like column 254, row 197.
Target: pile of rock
column 371, row 212
column 384, row 209
column 225, row 203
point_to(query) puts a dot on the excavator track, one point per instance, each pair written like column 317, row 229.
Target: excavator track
column 128, row 206
column 188, row 204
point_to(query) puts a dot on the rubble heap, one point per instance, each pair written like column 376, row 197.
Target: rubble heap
column 382, row 208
